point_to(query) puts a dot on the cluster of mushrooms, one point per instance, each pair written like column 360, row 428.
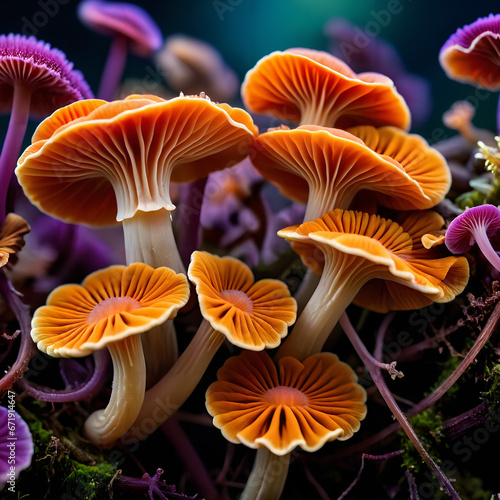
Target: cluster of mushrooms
column 369, row 234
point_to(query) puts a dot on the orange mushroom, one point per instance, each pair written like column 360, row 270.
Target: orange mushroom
column 96, row 163
column 427, row 256
column 312, row 87
column 277, row 408
column 12, row 233
column 110, row 309
column 250, row 315
column 349, row 249
column 326, row 168
column 421, row 162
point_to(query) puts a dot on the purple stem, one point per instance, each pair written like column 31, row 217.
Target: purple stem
column 86, row 390
column 484, row 244
column 189, row 218
column 114, row 68
column 190, row 458
column 378, row 379
column 13, row 142
column 27, row 348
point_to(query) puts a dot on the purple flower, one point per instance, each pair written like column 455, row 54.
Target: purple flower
column 16, row 446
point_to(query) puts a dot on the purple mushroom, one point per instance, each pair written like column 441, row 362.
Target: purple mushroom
column 475, row 225
column 16, row 445
column 472, row 55
column 132, row 29
column 35, row 80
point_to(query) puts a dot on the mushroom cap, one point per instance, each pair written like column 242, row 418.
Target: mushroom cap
column 45, row 71
column 421, row 162
column 125, row 19
column 304, row 404
column 12, row 233
column 110, row 305
column 314, row 87
column 460, row 237
column 327, row 167
column 252, row 315
column 379, row 249
column 192, row 66
column 471, row 55
column 13, row 429
column 428, row 257
column 95, row 162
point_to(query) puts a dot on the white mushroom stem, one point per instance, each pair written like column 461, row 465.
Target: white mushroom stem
column 340, row 281
column 149, row 238
column 106, row 426
column 268, row 476
column 168, row 394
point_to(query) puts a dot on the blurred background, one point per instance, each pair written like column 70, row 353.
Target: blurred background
column 243, row 31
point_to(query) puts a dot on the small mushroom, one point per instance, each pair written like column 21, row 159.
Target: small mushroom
column 16, row 447
column 312, row 87
column 277, row 408
column 348, row 249
column 471, row 54
column 12, row 233
column 35, row 80
column 250, row 315
column 110, row 309
column 132, row 29
column 475, row 226
column 192, row 66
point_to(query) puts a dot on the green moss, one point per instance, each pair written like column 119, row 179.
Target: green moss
column 86, row 482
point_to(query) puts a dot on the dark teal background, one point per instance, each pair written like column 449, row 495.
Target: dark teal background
column 245, row 30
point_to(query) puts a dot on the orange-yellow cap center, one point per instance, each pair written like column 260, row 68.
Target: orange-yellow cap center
column 283, row 395
column 238, row 299
column 111, row 306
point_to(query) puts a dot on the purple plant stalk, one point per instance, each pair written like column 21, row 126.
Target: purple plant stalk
column 370, row 457
column 13, row 141
column 27, row 347
column 190, row 458
column 153, row 486
column 189, row 218
column 374, row 371
column 85, row 390
column 489, row 328
column 113, row 68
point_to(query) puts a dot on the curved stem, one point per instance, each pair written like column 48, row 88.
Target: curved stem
column 484, row 245
column 149, row 238
column 268, row 476
column 340, row 281
column 168, row 394
column 13, row 142
column 113, row 68
column 306, row 289
column 27, row 348
column 86, row 390
column 378, row 379
column 104, row 427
